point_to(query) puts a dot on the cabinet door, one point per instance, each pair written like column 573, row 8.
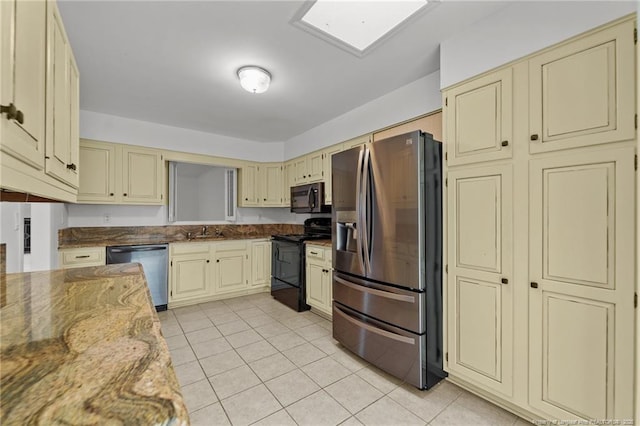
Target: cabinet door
column 315, row 166
column 260, row 263
column 248, row 196
column 581, row 312
column 355, row 142
column 480, row 295
column 73, row 175
column 288, row 180
column 478, row 119
column 98, row 175
column 271, row 185
column 328, row 181
column 142, row 172
column 190, row 276
column 23, row 30
column 230, row 268
column 315, row 283
column 58, row 112
column 582, row 93
column 301, row 175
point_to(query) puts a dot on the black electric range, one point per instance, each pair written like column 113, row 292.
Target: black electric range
column 288, row 262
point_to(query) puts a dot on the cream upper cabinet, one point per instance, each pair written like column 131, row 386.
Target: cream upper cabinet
column 288, row 180
column 328, row 181
column 431, row 123
column 248, row 196
column 480, row 284
column 583, row 92
column 581, row 292
column 315, row 163
column 38, row 73
column 301, row 175
column 120, row 174
column 190, row 272
column 61, row 161
column 142, row 176
column 359, row 141
column 98, row 181
column 260, row 263
column 479, row 119
column 23, row 68
column 270, row 184
column 230, row 269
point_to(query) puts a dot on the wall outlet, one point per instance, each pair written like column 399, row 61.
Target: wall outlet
column 107, row 218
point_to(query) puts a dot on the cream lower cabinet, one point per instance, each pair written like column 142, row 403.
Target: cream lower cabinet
column 120, row 174
column 81, row 257
column 318, row 278
column 581, row 305
column 204, row 271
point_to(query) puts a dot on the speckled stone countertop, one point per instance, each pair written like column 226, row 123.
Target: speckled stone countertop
column 323, row 243
column 83, row 346
column 130, row 235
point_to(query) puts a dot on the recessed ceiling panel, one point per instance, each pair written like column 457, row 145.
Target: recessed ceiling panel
column 356, row 25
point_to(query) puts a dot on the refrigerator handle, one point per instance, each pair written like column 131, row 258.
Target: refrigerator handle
column 359, row 222
column 365, row 230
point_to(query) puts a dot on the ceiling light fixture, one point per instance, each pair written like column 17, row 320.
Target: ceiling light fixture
column 254, row 79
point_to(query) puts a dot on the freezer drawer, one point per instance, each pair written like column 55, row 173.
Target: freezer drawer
column 393, row 350
column 401, row 308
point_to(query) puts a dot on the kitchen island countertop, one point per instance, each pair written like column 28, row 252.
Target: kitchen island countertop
column 84, row 346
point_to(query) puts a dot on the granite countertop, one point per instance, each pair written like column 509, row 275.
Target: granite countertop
column 84, row 346
column 323, row 243
column 135, row 235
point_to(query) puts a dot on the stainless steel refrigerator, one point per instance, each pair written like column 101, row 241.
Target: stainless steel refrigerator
column 387, row 255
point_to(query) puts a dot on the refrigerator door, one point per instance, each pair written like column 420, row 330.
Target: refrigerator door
column 346, row 213
column 395, row 214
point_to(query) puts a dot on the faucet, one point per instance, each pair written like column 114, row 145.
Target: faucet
column 218, row 232
column 189, row 236
column 204, row 230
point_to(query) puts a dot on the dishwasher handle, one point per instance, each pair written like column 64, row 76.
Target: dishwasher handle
column 135, row 249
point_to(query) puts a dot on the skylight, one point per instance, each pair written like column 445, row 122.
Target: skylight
column 357, row 23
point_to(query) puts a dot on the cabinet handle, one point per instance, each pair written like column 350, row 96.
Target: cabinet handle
column 534, row 137
column 72, row 166
column 534, row 285
column 125, row 194
column 84, row 256
column 505, row 143
column 504, row 281
column 313, row 252
column 12, row 113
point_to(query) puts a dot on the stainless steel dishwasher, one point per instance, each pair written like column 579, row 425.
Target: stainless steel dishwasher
column 154, row 259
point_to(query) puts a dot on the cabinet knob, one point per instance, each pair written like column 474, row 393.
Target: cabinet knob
column 505, row 143
column 217, row 260
column 125, row 194
column 12, row 113
column 264, row 199
column 207, row 260
column 504, row 281
column 72, row 166
column 111, row 194
column 534, row 137
column 246, row 199
column 534, row 285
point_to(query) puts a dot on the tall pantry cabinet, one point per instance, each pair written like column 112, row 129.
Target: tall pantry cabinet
column 540, row 201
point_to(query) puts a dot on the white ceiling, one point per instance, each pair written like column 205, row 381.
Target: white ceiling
column 175, row 62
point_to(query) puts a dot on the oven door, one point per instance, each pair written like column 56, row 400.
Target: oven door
column 286, row 259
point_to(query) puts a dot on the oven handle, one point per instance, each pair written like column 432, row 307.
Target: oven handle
column 385, row 294
column 375, row 330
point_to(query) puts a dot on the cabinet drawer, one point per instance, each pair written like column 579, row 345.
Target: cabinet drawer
column 79, row 257
column 315, row 252
column 188, row 248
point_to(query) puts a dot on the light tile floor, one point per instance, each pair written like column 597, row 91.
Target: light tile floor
column 252, row 360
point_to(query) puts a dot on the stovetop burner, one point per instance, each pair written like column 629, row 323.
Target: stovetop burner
column 314, row 229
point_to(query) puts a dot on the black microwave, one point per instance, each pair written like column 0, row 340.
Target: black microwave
column 309, row 198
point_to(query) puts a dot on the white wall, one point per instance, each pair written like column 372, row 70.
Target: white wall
column 93, row 215
column 11, row 233
column 518, row 30
column 46, row 220
column 110, row 128
column 414, row 99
